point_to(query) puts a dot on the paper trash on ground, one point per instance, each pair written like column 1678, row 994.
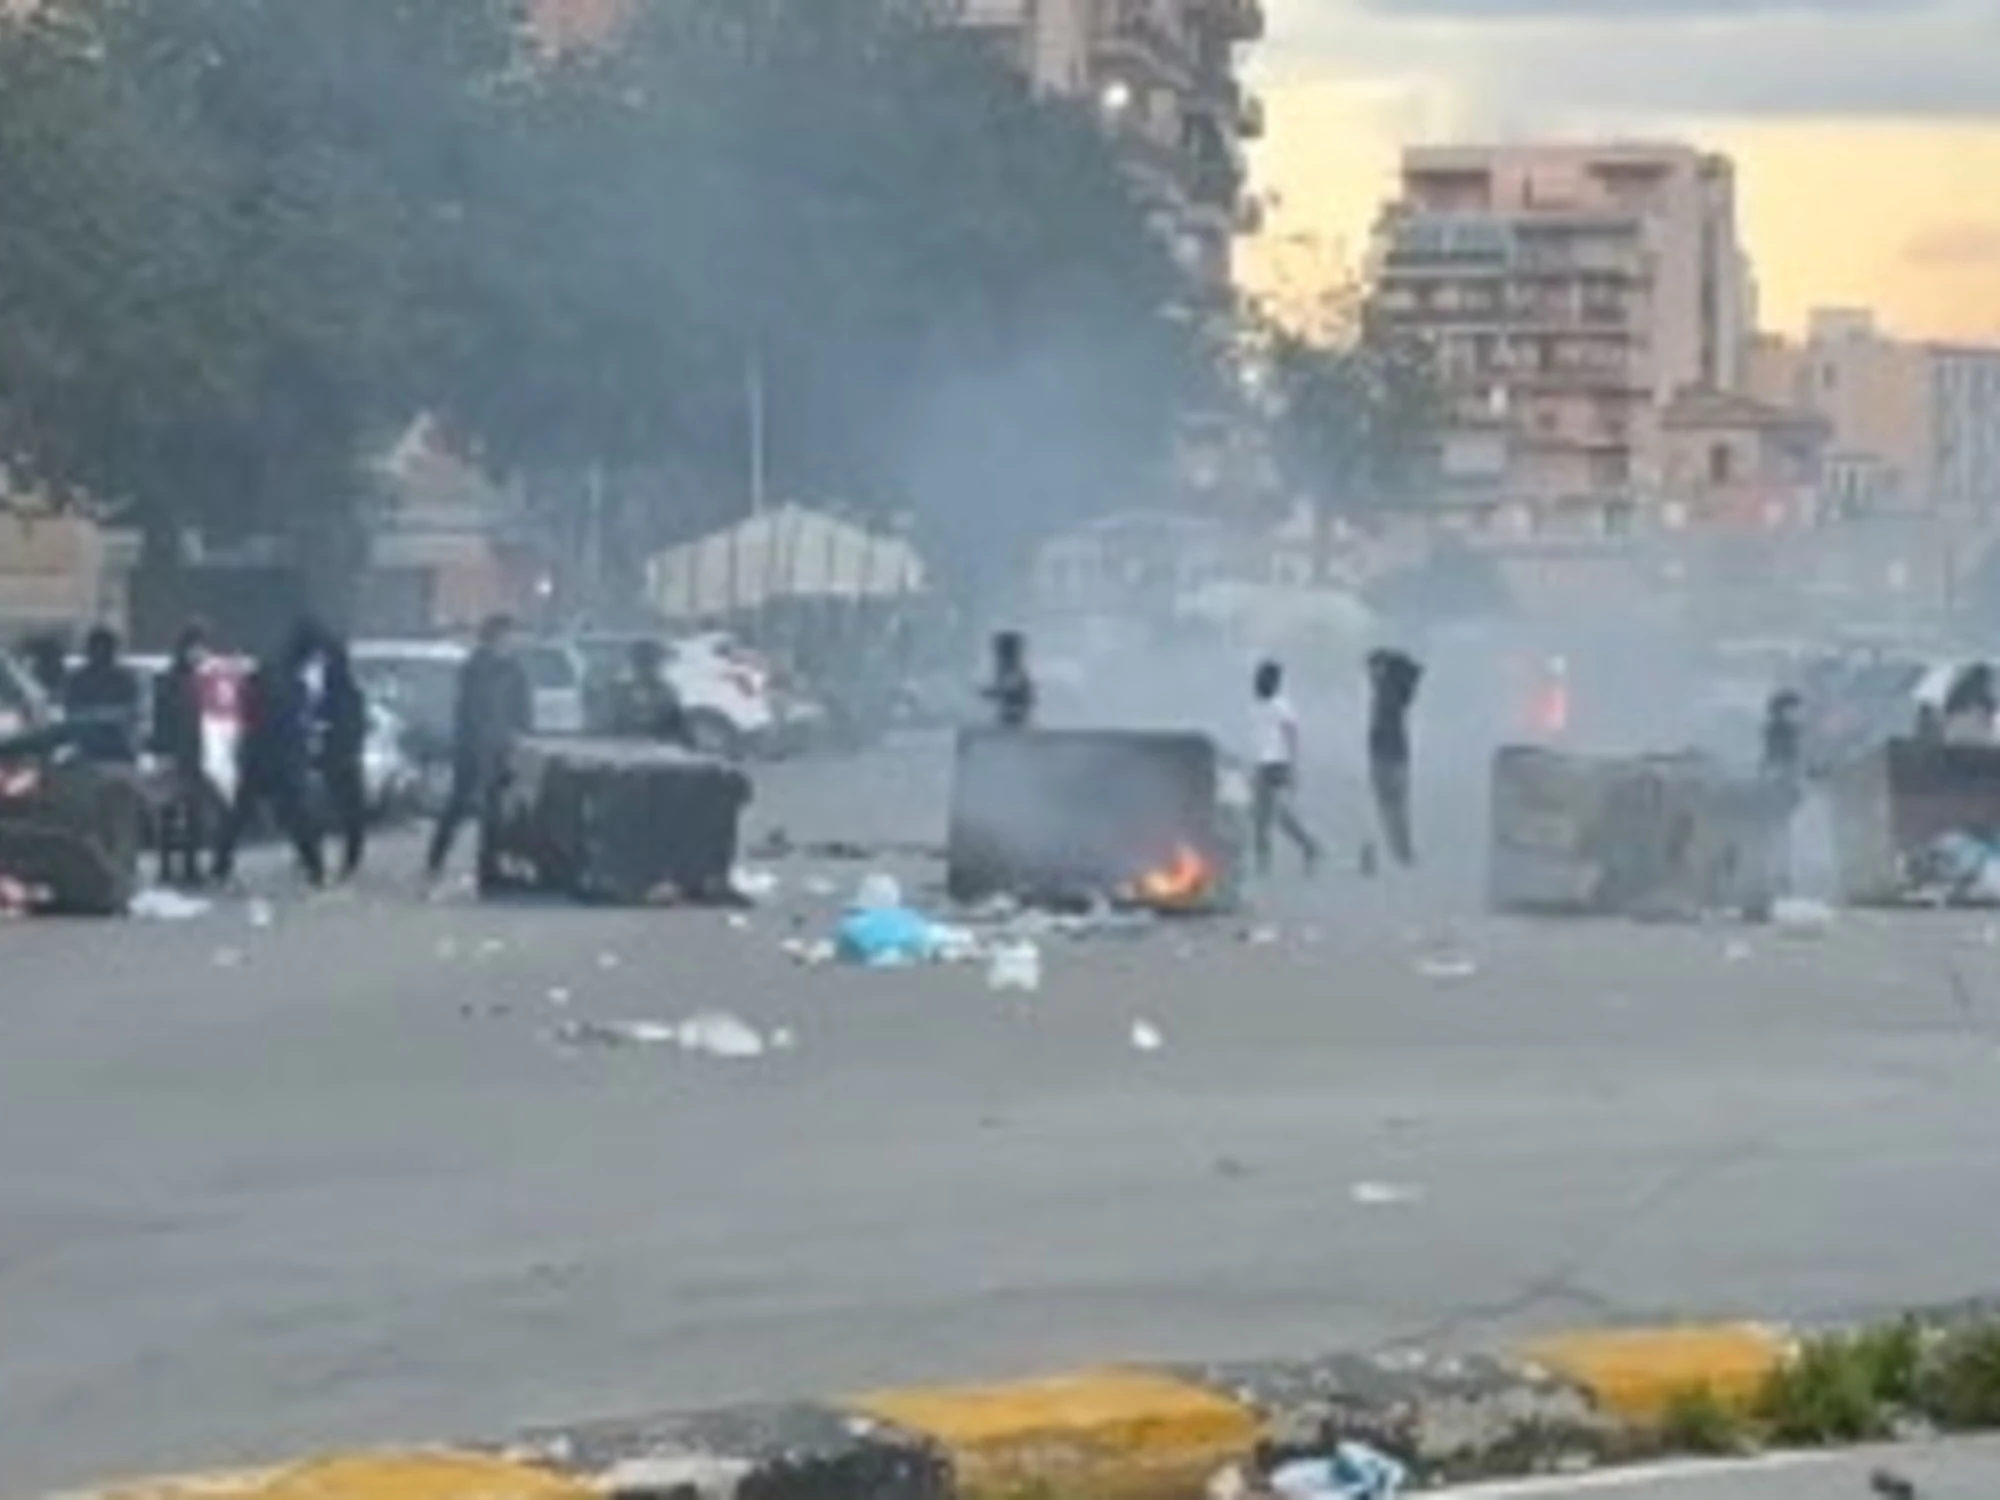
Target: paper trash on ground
column 158, row 904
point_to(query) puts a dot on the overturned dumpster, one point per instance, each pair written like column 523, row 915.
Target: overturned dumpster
column 1918, row 819
column 1666, row 837
column 1073, row 817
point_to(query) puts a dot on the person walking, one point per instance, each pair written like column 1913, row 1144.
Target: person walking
column 495, row 708
column 1012, row 690
column 1274, row 745
column 179, row 739
column 275, row 757
column 342, row 725
column 1393, row 680
column 102, row 700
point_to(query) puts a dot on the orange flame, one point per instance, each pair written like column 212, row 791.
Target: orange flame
column 1181, row 882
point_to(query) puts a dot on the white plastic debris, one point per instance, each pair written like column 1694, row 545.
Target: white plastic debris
column 784, row 1039
column 1448, row 968
column 260, row 914
column 956, row 945
column 719, row 1034
column 158, row 904
column 1353, row 1471
column 1146, row 1037
column 1386, row 1194
column 650, row 1033
column 560, row 998
column 757, row 885
column 609, row 961
column 1737, row 951
column 878, row 892
column 1261, row 937
column 491, row 947
column 1015, row 966
column 813, row 953
column 739, row 921
column 1802, row 917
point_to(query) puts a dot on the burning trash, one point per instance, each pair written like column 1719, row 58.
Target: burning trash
column 1068, row 820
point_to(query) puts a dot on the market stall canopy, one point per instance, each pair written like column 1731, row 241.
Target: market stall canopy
column 789, row 553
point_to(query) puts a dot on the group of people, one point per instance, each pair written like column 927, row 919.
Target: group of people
column 299, row 754
column 302, row 731
column 1394, row 678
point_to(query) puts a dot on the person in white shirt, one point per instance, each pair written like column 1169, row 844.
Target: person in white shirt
column 1274, row 749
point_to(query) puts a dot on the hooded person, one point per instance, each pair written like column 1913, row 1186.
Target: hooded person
column 340, row 719
column 276, row 753
column 1012, row 688
column 103, row 700
column 1393, row 680
column 179, row 738
column 494, row 708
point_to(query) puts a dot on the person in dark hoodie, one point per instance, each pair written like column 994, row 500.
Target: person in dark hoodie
column 103, row 700
column 1393, row 680
column 179, row 740
column 342, row 723
column 495, row 708
column 644, row 705
column 274, row 756
column 1012, row 689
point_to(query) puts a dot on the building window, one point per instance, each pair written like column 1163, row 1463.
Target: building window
column 1721, row 464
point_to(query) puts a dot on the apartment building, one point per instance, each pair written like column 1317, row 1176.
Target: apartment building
column 1965, row 428
column 1915, row 427
column 1568, row 294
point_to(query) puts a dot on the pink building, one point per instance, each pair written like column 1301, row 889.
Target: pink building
column 1568, row 294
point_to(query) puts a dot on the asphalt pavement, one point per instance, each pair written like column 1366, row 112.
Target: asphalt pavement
column 267, row 1185
column 1943, row 1471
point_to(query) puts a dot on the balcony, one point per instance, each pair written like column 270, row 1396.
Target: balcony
column 1234, row 20
column 1136, row 41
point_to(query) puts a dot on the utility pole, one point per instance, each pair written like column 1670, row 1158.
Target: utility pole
column 753, row 393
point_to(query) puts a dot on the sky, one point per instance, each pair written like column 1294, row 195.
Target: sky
column 1866, row 132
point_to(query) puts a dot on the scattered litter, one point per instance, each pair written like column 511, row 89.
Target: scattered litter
column 784, row 1039
column 491, row 947
column 739, row 922
column 260, row 913
column 1353, row 1471
column 1146, row 1037
column 878, row 892
column 757, row 885
column 1015, row 966
column 1260, row 937
column 609, row 961
column 158, row 904
column 1448, row 967
column 812, row 954
column 719, row 1034
column 887, row 936
column 1802, row 917
column 579, row 1034
column 1386, row 1194
column 1737, row 951
column 560, row 998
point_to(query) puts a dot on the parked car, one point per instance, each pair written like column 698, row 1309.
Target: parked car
column 559, row 676
column 417, row 682
column 724, row 687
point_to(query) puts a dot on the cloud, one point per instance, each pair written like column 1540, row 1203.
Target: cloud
column 1594, row 64
column 1950, row 246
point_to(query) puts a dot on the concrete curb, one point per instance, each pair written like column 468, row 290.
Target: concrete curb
column 1117, row 1433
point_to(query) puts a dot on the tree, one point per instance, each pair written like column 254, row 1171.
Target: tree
column 1355, row 410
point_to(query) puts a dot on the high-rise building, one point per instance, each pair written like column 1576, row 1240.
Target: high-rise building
column 1915, row 426
column 1568, row 294
column 1163, row 76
